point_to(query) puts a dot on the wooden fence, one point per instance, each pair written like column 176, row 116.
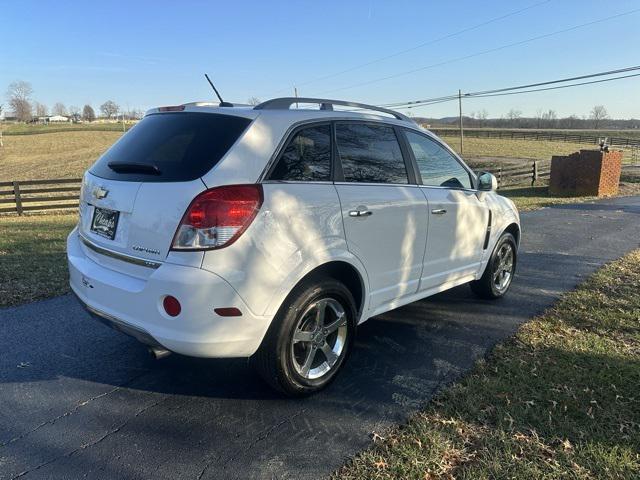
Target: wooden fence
column 520, row 174
column 31, row 195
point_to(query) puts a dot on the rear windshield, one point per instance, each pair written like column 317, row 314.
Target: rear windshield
column 170, row 147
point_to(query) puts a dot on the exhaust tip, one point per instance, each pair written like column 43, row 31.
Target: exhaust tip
column 159, row 353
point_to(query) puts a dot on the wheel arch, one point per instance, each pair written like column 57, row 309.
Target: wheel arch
column 514, row 229
column 344, row 269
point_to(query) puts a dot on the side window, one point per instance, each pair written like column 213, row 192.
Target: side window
column 370, row 153
column 437, row 166
column 307, row 157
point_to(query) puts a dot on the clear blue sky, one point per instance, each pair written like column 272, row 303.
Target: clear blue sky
column 149, row 53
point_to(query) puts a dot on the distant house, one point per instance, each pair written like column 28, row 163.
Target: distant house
column 58, row 118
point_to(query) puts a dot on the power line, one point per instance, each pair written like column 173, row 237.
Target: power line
column 421, row 45
column 558, row 87
column 519, row 87
column 421, row 104
column 484, row 52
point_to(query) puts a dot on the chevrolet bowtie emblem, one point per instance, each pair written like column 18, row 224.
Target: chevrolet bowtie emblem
column 100, row 192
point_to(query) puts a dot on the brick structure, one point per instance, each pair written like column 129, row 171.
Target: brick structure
column 587, row 172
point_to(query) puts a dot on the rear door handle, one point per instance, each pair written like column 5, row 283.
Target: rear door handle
column 360, row 213
column 439, row 211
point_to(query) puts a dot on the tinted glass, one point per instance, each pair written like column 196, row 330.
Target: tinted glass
column 183, row 146
column 437, row 166
column 370, row 154
column 307, row 157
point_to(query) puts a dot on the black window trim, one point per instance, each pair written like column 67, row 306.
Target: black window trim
column 288, row 138
column 472, row 176
column 408, row 165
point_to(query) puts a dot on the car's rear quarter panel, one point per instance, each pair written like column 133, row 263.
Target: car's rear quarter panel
column 299, row 226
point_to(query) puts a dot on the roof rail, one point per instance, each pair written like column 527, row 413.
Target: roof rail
column 285, row 103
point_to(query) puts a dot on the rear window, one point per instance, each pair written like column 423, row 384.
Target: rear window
column 170, row 147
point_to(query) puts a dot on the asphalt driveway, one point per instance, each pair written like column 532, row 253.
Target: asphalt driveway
column 80, row 400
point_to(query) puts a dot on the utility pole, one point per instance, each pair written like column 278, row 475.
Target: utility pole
column 461, row 130
column 295, row 92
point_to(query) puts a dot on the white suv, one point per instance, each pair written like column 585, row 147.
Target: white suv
column 270, row 232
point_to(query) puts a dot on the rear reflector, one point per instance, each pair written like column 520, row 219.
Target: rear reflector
column 171, row 306
column 217, row 217
column 228, row 312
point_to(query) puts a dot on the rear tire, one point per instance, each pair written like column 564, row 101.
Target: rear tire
column 498, row 274
column 310, row 338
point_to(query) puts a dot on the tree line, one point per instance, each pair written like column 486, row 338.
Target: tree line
column 20, row 101
column 598, row 118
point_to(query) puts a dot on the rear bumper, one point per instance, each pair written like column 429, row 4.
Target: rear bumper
column 133, row 305
column 117, row 324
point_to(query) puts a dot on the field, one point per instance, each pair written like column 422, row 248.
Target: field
column 558, row 401
column 502, row 147
column 10, row 129
column 52, row 155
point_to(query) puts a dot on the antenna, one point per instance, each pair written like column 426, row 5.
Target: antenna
column 222, row 102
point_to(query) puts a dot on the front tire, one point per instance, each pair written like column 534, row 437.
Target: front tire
column 310, row 339
column 498, row 274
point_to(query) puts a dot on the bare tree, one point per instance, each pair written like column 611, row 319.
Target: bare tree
column 550, row 117
column 598, row 114
column 514, row 114
column 19, row 96
column 74, row 112
column 572, row 121
column 254, row 101
column 88, row 114
column 59, row 109
column 136, row 114
column 40, row 109
column 109, row 108
column 482, row 116
column 539, row 116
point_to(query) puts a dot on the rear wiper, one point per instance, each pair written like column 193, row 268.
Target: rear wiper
column 133, row 167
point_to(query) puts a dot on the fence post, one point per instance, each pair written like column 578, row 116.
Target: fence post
column 18, row 199
column 534, row 177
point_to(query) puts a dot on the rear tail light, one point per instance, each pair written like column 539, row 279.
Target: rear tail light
column 216, row 218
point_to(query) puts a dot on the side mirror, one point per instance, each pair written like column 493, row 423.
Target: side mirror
column 487, row 182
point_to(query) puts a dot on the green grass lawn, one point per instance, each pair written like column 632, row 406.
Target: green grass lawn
column 561, row 400
column 33, row 264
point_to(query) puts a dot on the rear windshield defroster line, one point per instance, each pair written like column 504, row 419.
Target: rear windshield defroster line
column 180, row 147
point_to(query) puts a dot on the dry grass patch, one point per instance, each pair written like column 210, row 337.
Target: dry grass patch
column 52, row 155
column 503, row 147
column 558, row 401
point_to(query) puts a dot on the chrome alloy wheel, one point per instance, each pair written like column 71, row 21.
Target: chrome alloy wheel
column 503, row 269
column 319, row 339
